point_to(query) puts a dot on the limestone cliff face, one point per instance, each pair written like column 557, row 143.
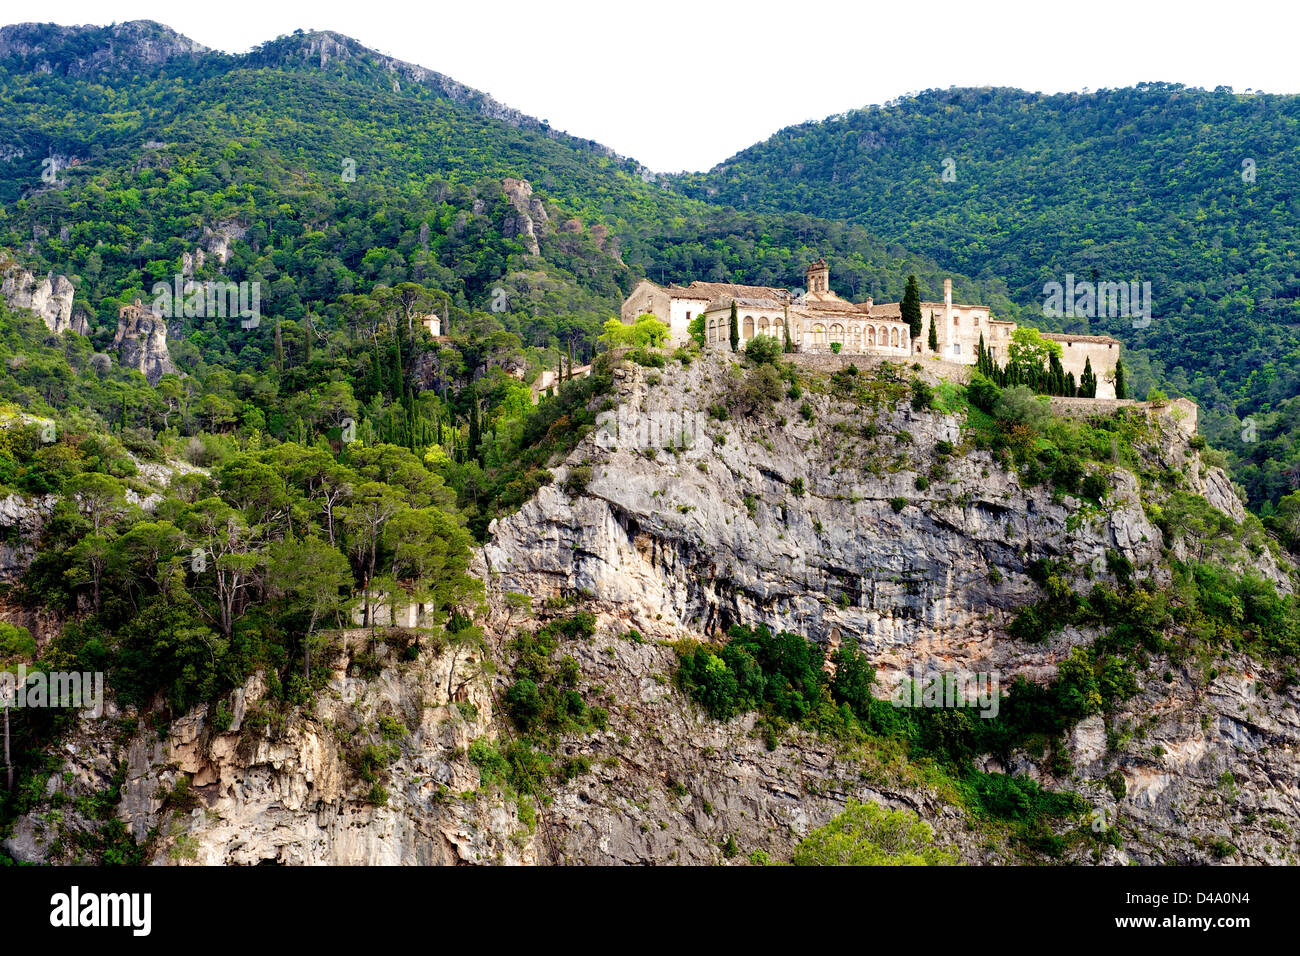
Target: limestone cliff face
column 83, row 51
column 791, row 526
column 817, row 529
column 22, row 521
column 530, row 219
column 50, row 297
column 816, row 526
column 141, row 344
column 259, row 788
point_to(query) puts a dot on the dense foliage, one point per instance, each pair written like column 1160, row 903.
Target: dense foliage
column 1146, row 183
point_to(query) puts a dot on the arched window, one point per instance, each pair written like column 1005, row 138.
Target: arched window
column 762, row 325
column 778, row 327
column 749, row 327
column 818, row 334
column 837, row 333
column 871, row 336
column 893, row 337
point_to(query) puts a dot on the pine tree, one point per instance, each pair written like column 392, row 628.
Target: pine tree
column 933, row 342
column 1119, row 379
column 911, row 306
column 735, row 329
column 279, row 348
column 307, row 337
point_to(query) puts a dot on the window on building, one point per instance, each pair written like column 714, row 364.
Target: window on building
column 688, row 315
column 956, row 348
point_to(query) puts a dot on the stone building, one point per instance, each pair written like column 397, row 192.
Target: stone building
column 821, row 321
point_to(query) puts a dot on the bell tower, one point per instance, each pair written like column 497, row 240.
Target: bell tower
column 819, row 276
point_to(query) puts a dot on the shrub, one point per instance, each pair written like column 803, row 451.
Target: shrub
column 1020, row 406
column 898, row 504
column 523, row 703
column 1095, row 487
column 922, row 395
column 761, row 388
column 576, row 483
column 983, row 393
column 865, row 834
column 763, row 349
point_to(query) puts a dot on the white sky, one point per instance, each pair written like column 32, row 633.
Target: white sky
column 684, row 85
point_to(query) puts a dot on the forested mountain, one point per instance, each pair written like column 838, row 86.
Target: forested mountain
column 228, row 515
column 1197, row 192
column 330, row 175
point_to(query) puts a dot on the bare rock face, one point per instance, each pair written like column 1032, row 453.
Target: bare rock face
column 530, row 219
column 83, row 51
column 141, row 343
column 259, row 790
column 50, row 297
column 751, row 522
column 22, row 520
column 687, row 524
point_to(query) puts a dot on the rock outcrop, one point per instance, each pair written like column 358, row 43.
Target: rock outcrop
column 530, row 219
column 251, row 787
column 22, row 521
column 141, row 343
column 50, row 297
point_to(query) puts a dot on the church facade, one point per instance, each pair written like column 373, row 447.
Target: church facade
column 821, row 321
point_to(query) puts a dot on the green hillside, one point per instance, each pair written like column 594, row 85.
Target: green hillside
column 1141, row 183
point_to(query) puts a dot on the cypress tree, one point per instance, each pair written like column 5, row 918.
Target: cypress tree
column 306, row 354
column 911, row 306
column 1088, row 380
column 933, row 342
column 789, row 346
column 397, row 366
column 1071, row 390
column 474, row 434
column 279, row 348
column 735, row 329
column 1119, row 379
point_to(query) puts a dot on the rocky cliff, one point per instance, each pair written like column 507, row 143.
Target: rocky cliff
column 141, row 344
column 50, row 297
column 675, row 520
